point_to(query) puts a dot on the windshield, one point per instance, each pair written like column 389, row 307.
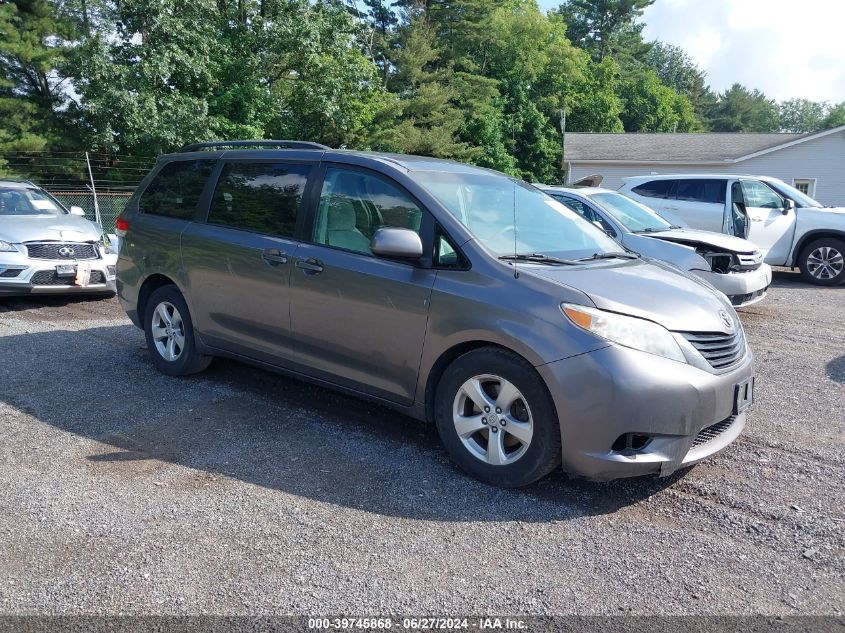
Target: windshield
column 801, row 199
column 512, row 218
column 26, row 201
column 633, row 216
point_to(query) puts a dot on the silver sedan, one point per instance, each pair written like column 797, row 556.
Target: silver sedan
column 48, row 249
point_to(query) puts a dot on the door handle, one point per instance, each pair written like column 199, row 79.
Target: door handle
column 310, row 266
column 274, row 256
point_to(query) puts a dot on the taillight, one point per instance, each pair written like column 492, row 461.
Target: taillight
column 121, row 226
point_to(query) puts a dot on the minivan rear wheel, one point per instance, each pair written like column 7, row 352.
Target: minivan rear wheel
column 497, row 419
column 822, row 262
column 170, row 334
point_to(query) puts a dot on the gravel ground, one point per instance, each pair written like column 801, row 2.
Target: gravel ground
column 242, row 492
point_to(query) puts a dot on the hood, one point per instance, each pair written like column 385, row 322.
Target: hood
column 61, row 228
column 825, row 214
column 692, row 237
column 646, row 289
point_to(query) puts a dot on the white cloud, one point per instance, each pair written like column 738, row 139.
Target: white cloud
column 785, row 48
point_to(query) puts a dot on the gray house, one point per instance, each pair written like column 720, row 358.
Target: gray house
column 814, row 163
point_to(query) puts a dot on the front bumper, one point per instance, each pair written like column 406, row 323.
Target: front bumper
column 742, row 288
column 686, row 413
column 20, row 275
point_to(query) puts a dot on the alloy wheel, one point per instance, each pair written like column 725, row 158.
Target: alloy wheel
column 492, row 419
column 825, row 263
column 168, row 331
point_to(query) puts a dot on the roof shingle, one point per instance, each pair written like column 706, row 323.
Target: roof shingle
column 711, row 146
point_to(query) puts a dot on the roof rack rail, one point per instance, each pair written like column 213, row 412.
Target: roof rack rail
column 193, row 147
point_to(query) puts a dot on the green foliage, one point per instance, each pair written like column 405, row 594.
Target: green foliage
column 483, row 81
column 741, row 110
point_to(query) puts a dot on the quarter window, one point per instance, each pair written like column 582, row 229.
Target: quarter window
column 654, row 188
column 259, row 197
column 176, row 189
column 354, row 205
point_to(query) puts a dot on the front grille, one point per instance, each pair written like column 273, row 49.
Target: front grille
column 720, row 350
column 61, row 250
column 712, row 432
column 749, row 261
column 50, row 278
column 11, row 272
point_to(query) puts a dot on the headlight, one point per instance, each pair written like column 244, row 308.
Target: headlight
column 632, row 332
column 5, row 247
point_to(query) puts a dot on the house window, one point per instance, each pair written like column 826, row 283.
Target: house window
column 805, row 185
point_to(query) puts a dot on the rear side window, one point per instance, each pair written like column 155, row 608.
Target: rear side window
column 654, row 188
column 176, row 189
column 259, row 197
column 700, row 190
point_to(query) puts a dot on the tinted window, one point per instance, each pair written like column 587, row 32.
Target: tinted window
column 176, row 189
column 260, row 197
column 445, row 253
column 354, row 205
column 654, row 188
column 700, row 190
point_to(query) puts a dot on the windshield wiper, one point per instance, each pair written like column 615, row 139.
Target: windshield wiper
column 538, row 258
column 609, row 256
column 652, row 230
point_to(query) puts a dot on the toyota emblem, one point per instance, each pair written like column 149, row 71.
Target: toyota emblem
column 67, row 252
column 726, row 319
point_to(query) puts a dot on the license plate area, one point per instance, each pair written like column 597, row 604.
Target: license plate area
column 66, row 270
column 743, row 396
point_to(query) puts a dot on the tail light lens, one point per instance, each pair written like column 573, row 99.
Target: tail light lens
column 121, row 226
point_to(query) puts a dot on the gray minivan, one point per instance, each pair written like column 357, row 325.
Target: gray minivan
column 452, row 293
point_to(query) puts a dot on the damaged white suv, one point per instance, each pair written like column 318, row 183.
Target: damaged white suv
column 48, row 249
column 730, row 264
column 787, row 225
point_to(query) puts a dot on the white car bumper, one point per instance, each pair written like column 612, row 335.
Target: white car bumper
column 742, row 288
column 22, row 275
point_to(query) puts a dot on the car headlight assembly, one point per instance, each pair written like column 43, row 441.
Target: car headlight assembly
column 628, row 331
column 5, row 247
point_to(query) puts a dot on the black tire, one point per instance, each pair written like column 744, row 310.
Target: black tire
column 189, row 361
column 541, row 455
column 805, row 265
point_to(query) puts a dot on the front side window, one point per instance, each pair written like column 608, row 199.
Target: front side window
column 654, row 189
column 585, row 212
column 510, row 217
column 634, row 217
column 259, row 197
column 176, row 189
column 700, row 190
column 759, row 196
column 354, row 205
column 27, row 201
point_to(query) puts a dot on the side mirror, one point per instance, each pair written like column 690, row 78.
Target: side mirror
column 788, row 206
column 399, row 243
column 77, row 211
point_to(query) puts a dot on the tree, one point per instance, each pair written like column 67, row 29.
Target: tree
column 835, row 117
column 802, row 115
column 650, row 106
column 741, row 110
column 30, row 94
column 677, row 70
column 607, row 27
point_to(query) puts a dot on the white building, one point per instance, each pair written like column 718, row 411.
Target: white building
column 814, row 163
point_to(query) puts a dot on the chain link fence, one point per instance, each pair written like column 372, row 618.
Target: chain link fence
column 111, row 204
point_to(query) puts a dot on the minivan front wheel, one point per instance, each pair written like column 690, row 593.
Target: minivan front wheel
column 496, row 418
column 170, row 334
column 822, row 262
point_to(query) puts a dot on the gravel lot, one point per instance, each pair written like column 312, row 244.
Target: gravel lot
column 242, row 492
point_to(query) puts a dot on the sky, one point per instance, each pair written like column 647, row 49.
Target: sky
column 786, row 48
